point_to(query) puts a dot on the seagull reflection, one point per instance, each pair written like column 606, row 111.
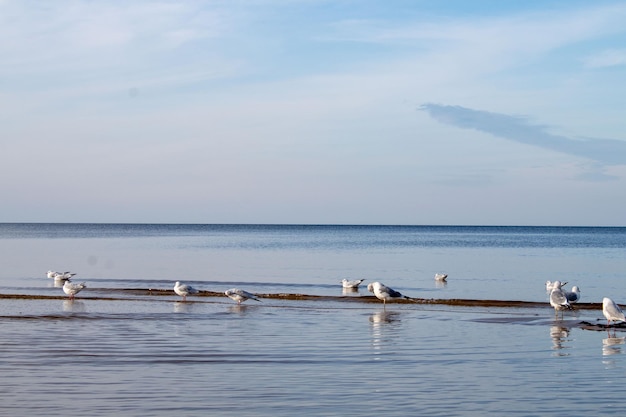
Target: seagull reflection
column 348, row 291
column 441, row 284
column 559, row 335
column 611, row 345
column 239, row 308
column 74, row 306
column 380, row 321
column 56, row 284
column 384, row 317
column 182, row 307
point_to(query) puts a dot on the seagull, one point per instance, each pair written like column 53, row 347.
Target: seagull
column 72, row 289
column 558, row 299
column 184, row 290
column 385, row 293
column 573, row 296
column 612, row 311
column 441, row 277
column 351, row 284
column 553, row 286
column 60, row 276
column 63, row 276
column 240, row 295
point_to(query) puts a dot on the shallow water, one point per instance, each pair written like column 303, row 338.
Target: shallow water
column 164, row 357
column 118, row 352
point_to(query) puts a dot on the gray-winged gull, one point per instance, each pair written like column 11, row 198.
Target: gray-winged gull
column 240, row 295
column 60, row 276
column 553, row 286
column 382, row 292
column 441, row 277
column 558, row 299
column 184, row 290
column 611, row 311
column 71, row 288
column 351, row 284
column 573, row 296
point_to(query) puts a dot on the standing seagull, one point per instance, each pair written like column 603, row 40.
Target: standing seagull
column 573, row 296
column 72, row 289
column 558, row 299
column 612, row 311
column 385, row 293
column 184, row 290
column 351, row 284
column 240, row 295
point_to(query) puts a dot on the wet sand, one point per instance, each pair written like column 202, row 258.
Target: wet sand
column 124, row 293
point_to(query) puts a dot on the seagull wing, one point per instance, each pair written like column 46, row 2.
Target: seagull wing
column 558, row 298
column 572, row 297
column 615, row 311
column 247, row 294
column 392, row 293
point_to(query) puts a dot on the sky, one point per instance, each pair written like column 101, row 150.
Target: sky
column 313, row 112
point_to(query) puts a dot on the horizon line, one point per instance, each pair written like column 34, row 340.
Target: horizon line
column 308, row 224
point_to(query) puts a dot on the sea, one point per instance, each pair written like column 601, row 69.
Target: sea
column 127, row 345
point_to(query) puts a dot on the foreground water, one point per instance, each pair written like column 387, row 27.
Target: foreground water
column 113, row 351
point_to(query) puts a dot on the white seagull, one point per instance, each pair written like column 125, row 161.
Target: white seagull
column 382, row 292
column 60, row 276
column 573, row 296
column 184, row 290
column 351, row 284
column 553, row 286
column 240, row 295
column 63, row 276
column 441, row 277
column 558, row 299
column 72, row 289
column 611, row 311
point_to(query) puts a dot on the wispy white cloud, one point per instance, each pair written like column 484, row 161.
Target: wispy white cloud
column 99, row 36
column 607, row 58
column 534, row 30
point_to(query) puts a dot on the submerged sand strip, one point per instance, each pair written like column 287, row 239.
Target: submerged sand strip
column 307, row 297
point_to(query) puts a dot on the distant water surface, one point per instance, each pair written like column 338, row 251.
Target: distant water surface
column 143, row 355
column 482, row 262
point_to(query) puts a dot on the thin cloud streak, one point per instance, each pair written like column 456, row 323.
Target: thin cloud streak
column 519, row 129
column 607, row 58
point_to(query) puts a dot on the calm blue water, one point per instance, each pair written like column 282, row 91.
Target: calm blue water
column 144, row 355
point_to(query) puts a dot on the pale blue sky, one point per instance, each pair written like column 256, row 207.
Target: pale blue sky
column 276, row 111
